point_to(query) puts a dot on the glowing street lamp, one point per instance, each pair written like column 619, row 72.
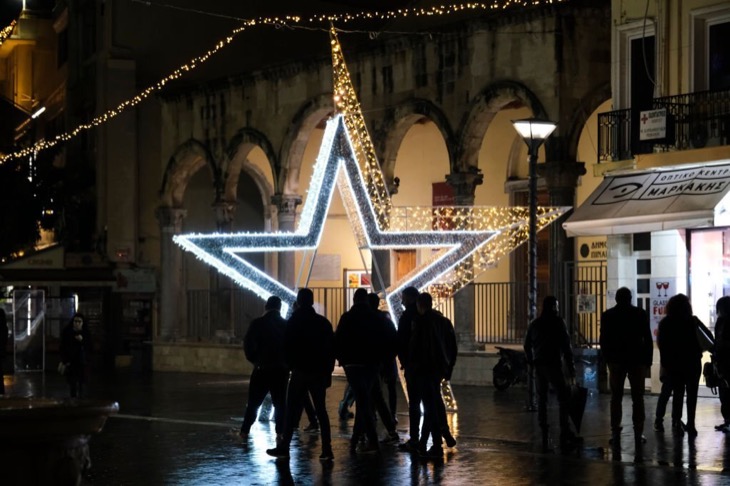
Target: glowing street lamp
column 534, row 132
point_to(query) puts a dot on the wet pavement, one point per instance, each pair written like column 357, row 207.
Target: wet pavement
column 174, row 428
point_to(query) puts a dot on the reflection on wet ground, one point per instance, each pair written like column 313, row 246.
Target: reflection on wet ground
column 175, row 428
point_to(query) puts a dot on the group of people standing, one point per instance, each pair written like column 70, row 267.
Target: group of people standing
column 294, row 359
column 627, row 347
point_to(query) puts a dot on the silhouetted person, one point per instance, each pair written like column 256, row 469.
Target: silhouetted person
column 405, row 325
column 547, row 346
column 75, row 353
column 681, row 357
column 310, row 356
column 627, row 347
column 264, row 348
column 448, row 341
column 722, row 359
column 389, row 368
column 429, row 362
column 3, row 347
column 361, row 346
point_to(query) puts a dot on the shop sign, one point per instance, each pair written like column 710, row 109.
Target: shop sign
column 662, row 289
column 653, row 124
column 135, row 280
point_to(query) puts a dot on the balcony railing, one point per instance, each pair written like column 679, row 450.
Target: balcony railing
column 694, row 120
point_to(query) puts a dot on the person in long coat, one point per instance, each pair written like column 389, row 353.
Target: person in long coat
column 75, row 353
column 681, row 358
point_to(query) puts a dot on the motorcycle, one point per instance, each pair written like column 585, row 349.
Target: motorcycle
column 511, row 368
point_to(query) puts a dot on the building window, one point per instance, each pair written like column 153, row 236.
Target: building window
column 642, row 242
column 634, row 53
column 420, row 66
column 710, row 34
column 388, row 79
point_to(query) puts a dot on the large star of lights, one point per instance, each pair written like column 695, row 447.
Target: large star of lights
column 336, row 165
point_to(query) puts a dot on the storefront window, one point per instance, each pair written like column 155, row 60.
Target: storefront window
column 709, row 270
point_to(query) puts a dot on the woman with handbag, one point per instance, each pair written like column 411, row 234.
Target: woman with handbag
column 722, row 359
column 681, row 357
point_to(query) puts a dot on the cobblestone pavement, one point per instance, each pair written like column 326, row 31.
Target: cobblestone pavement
column 175, row 428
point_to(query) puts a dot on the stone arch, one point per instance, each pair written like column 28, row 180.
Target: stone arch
column 482, row 109
column 309, row 116
column 186, row 161
column 397, row 123
column 237, row 151
column 581, row 115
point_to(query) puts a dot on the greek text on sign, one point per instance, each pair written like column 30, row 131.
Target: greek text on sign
column 653, row 124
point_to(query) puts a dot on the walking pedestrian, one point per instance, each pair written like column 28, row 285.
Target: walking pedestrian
column 681, row 357
column 547, row 347
column 75, row 353
column 264, row 348
column 447, row 336
column 627, row 348
column 722, row 359
column 389, row 368
column 309, row 350
column 430, row 363
column 362, row 344
column 405, row 326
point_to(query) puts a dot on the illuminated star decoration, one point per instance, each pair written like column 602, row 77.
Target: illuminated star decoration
column 336, row 165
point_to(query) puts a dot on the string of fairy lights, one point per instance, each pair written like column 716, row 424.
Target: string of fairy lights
column 7, row 31
column 279, row 21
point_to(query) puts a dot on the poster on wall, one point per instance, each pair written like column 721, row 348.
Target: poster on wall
column 586, row 303
column 355, row 279
column 661, row 290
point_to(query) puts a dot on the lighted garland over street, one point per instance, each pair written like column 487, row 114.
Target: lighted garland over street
column 285, row 20
column 5, row 33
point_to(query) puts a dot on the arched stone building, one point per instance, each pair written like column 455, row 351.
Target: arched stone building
column 254, row 134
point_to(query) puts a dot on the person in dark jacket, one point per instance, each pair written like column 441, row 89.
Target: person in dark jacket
column 430, row 363
column 722, row 359
column 681, row 357
column 75, row 353
column 3, row 346
column 264, row 348
column 448, row 339
column 547, row 347
column 627, row 348
column 389, row 368
column 363, row 343
column 309, row 349
column 405, row 324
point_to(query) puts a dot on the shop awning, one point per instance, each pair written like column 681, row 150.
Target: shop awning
column 655, row 200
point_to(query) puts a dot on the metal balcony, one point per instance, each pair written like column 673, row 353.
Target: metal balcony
column 694, row 120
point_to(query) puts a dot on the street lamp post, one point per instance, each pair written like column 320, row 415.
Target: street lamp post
column 534, row 132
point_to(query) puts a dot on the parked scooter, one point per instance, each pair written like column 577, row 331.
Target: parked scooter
column 511, row 368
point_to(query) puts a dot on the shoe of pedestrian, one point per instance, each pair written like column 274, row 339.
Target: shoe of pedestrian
column 278, row 452
column 569, row 441
column 391, row 439
column 327, row 454
column 691, row 431
column 723, row 427
column 367, row 449
column 659, row 425
column 449, row 439
column 312, row 427
column 408, row 446
column 678, row 427
column 434, row 452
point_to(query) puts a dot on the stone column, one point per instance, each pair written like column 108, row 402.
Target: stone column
column 561, row 179
column 286, row 205
column 221, row 301
column 173, row 301
column 464, row 184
